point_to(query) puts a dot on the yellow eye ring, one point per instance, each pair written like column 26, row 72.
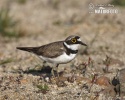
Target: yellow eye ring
column 73, row 40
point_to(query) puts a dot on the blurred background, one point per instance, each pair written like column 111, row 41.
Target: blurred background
column 38, row 22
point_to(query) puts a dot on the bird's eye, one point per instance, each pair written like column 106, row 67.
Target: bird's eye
column 73, row 40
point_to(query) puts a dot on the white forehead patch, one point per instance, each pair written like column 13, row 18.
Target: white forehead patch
column 79, row 39
column 71, row 38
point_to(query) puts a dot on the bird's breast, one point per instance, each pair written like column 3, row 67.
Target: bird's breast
column 62, row 59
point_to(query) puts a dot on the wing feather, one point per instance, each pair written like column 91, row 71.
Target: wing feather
column 51, row 50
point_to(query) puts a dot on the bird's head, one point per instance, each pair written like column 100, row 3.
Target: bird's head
column 73, row 42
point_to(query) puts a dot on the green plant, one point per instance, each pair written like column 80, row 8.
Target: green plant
column 43, row 88
column 118, row 2
column 2, row 62
column 55, row 3
column 7, row 24
column 22, row 1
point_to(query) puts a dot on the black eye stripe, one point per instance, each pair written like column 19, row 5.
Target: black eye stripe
column 77, row 37
column 69, row 42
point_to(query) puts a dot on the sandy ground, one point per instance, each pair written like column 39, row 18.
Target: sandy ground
column 45, row 21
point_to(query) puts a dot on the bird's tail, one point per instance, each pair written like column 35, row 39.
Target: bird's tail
column 29, row 49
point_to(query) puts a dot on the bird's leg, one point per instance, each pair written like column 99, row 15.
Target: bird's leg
column 44, row 63
column 52, row 71
column 57, row 70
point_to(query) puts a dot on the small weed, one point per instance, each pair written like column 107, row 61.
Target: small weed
column 94, row 78
column 107, row 62
column 57, row 22
column 7, row 24
column 2, row 62
column 21, row 1
column 118, row 2
column 43, row 88
column 55, row 3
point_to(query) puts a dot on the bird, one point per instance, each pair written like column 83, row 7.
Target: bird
column 59, row 52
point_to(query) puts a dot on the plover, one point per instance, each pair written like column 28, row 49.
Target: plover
column 60, row 52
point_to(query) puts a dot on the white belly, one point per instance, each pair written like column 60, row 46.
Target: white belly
column 61, row 59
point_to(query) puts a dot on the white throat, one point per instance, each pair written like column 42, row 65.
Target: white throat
column 72, row 46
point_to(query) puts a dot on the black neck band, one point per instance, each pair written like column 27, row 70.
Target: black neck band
column 70, row 51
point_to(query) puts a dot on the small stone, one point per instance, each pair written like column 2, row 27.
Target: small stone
column 103, row 81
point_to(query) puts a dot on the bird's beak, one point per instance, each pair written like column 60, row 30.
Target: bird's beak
column 83, row 43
